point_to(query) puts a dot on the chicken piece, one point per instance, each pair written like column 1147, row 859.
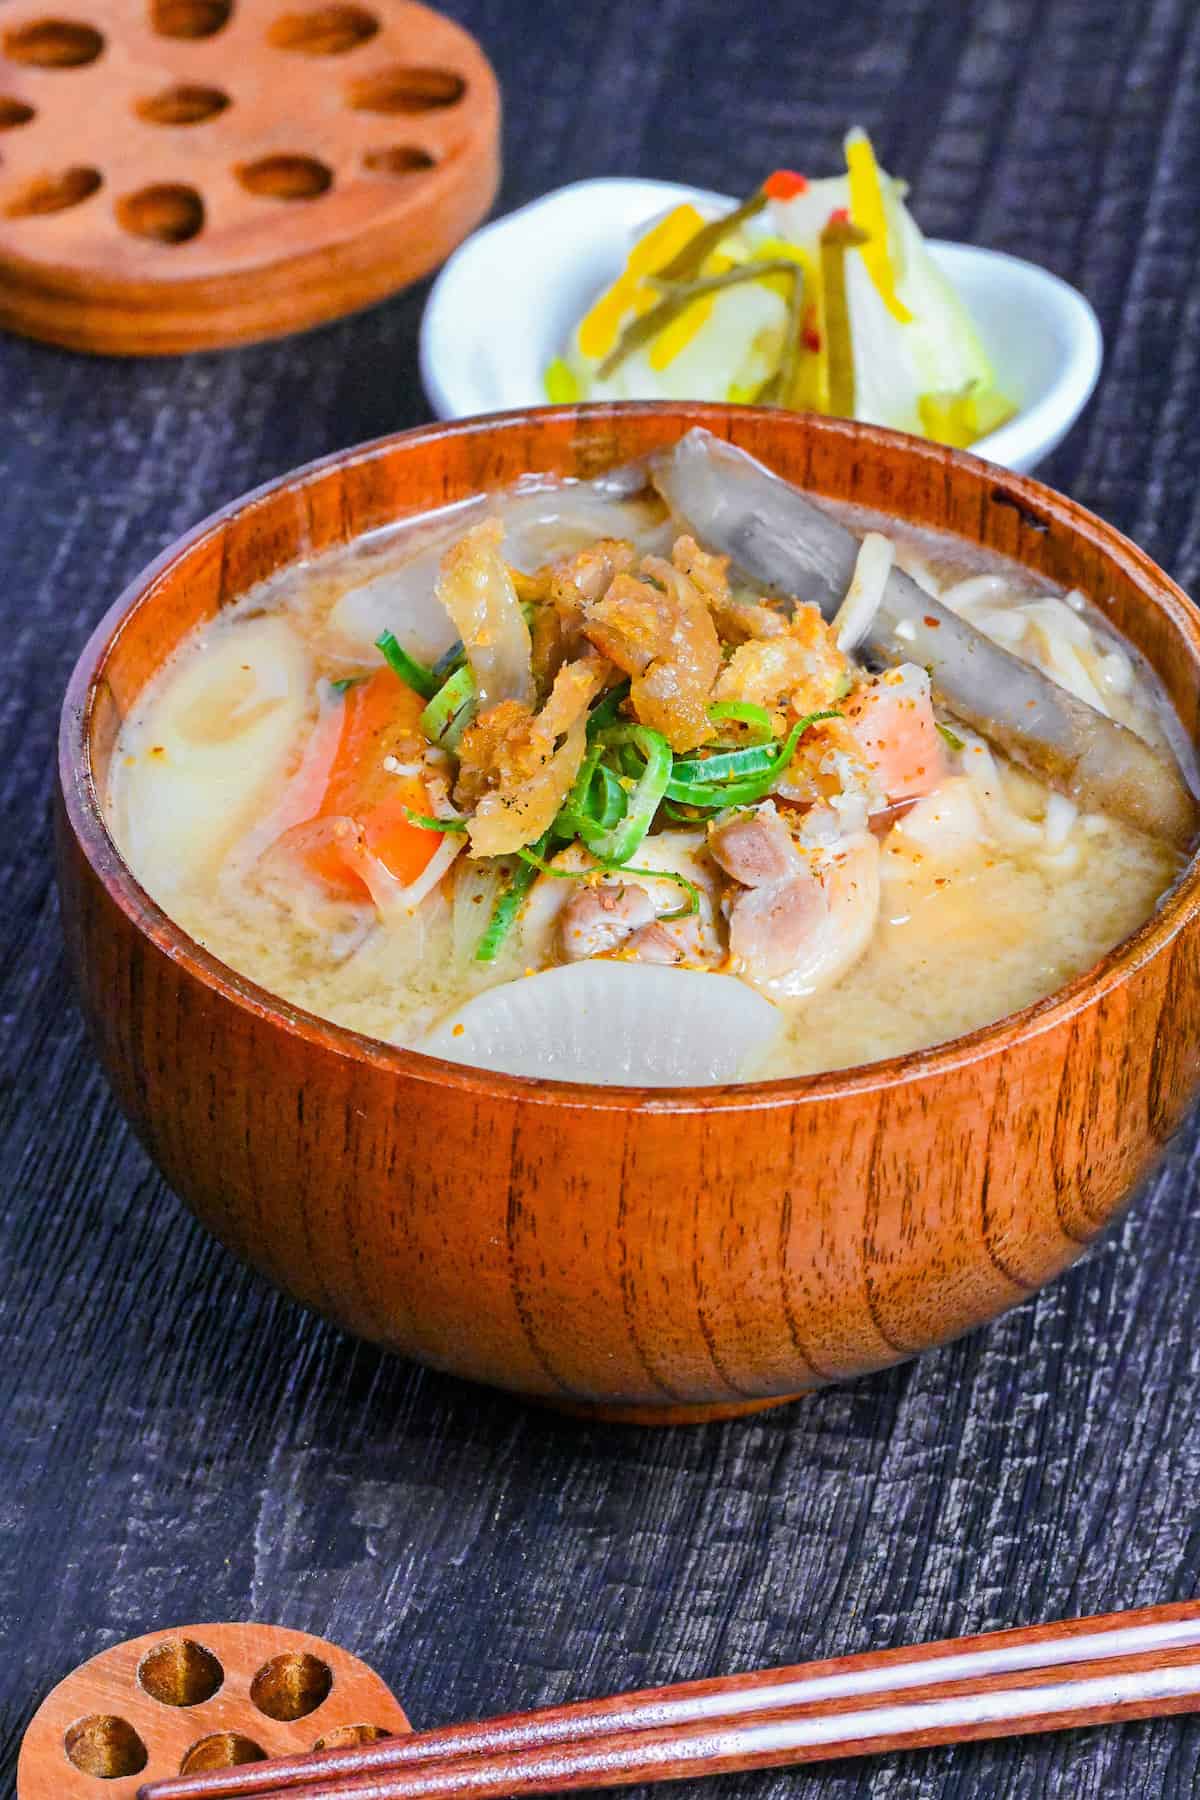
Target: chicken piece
column 696, row 940
column 513, row 767
column 891, row 717
column 737, row 620
column 756, row 848
column 660, row 633
column 800, row 672
column 598, row 919
column 800, row 915
column 653, row 944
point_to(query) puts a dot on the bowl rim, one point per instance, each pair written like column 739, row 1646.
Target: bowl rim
column 85, row 815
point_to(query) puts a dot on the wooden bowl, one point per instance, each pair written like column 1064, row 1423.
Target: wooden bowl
column 654, row 1255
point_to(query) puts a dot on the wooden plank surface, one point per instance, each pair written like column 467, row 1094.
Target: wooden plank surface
column 176, row 1442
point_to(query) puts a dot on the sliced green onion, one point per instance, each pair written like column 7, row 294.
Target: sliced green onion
column 428, row 824
column 505, row 911
column 619, row 842
column 724, row 766
column 614, row 803
column 578, row 803
column 751, row 787
column 544, row 868
column 449, row 660
column 608, row 710
column 346, row 683
column 951, row 737
column 443, row 720
column 756, row 719
column 415, row 674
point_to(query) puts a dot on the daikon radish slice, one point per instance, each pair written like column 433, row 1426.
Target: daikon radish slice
column 611, row 1022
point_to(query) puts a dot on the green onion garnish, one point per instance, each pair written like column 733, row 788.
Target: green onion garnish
column 756, row 719
column 451, row 709
column 428, row 824
column 507, row 907
column 346, row 682
column 951, row 737
column 449, row 660
column 619, row 842
column 607, row 711
column 414, row 674
column 747, row 781
column 721, row 766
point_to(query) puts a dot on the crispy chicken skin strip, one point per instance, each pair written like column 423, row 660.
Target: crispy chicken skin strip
column 796, row 549
column 559, row 591
column 737, row 620
column 476, row 589
column 800, row 672
column 513, row 767
column 661, row 634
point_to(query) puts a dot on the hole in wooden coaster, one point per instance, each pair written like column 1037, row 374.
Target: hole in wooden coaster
column 398, row 159
column 53, row 44
column 327, row 31
column 221, row 1750
column 13, row 112
column 105, row 1746
column 285, row 177
column 405, row 90
column 190, row 18
column 346, row 1736
column 180, row 1672
column 184, row 105
column 169, row 213
column 54, row 193
column 291, row 1686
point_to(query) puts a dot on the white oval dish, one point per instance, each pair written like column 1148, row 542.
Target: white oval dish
column 505, row 303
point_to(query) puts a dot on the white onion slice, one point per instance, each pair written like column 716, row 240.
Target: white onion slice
column 872, row 566
column 613, row 1022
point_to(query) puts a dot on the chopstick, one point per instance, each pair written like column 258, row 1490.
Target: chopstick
column 1075, row 1672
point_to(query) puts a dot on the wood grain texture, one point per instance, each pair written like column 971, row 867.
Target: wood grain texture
column 1061, row 1675
column 179, row 1442
column 196, row 1697
column 643, row 1252
column 190, row 174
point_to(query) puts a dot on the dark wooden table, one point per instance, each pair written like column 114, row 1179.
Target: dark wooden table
column 177, row 1443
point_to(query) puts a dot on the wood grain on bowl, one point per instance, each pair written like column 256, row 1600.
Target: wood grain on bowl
column 667, row 1255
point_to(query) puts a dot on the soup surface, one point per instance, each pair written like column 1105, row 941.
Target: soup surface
column 649, row 825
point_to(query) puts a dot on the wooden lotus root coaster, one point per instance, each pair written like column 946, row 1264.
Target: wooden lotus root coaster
column 185, row 174
column 195, row 1698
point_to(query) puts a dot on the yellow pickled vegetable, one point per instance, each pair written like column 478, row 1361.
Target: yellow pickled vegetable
column 868, row 212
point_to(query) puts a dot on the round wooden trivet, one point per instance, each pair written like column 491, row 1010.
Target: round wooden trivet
column 185, row 174
column 198, row 1697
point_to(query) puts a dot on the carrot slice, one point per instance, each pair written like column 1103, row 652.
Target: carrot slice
column 379, row 721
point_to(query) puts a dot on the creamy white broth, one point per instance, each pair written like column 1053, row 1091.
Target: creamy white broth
column 993, row 891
